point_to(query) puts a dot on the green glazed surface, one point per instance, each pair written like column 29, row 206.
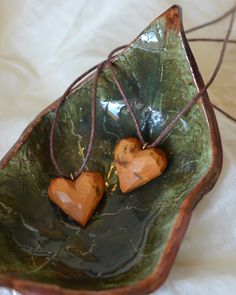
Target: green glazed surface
column 126, row 236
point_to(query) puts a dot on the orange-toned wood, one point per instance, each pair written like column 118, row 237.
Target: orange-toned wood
column 78, row 199
column 135, row 167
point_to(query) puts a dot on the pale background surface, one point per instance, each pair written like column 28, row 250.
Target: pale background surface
column 45, row 45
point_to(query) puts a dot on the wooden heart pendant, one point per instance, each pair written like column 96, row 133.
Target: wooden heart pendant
column 78, row 198
column 135, row 166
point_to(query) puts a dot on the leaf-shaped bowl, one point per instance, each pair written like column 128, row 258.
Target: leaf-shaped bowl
column 131, row 241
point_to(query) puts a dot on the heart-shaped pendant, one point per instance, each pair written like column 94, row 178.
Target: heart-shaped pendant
column 135, row 166
column 78, row 198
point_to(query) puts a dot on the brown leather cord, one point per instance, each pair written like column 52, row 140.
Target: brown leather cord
column 125, row 98
column 52, row 131
column 93, row 119
column 189, row 105
column 212, row 22
column 74, row 85
column 224, row 113
column 109, row 64
column 219, row 40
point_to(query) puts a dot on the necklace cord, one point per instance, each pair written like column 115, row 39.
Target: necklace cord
column 109, row 63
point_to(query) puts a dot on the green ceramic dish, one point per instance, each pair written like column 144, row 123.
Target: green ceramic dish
column 131, row 241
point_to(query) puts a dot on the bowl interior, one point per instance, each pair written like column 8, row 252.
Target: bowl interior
column 126, row 236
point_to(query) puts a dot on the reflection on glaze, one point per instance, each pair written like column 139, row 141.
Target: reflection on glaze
column 149, row 37
column 113, row 108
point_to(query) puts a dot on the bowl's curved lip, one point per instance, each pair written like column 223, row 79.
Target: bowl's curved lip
column 160, row 273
